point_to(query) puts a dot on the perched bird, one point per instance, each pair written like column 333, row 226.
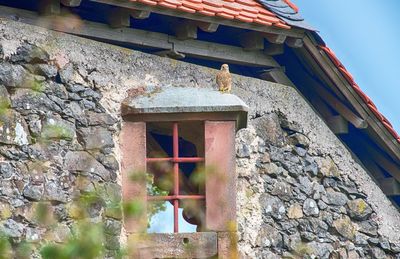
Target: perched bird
column 224, row 79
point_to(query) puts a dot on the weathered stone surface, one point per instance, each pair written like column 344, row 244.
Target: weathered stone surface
column 30, row 54
column 95, row 138
column 243, row 151
column 310, row 208
column 299, row 140
column 359, row 209
column 345, row 227
column 33, row 192
column 327, row 167
column 27, row 101
column 334, row 198
column 112, row 227
column 295, row 212
column 54, row 192
column 269, row 237
column 53, row 127
column 282, row 190
column 273, row 206
column 13, row 129
column 47, row 70
column 84, row 162
column 5, row 101
column 5, row 210
column 269, row 129
column 15, row 76
column 12, row 228
column 99, row 119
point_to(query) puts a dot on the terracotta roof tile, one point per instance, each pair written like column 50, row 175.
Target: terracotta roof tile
column 248, row 11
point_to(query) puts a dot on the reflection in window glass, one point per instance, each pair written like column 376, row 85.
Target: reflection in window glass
column 161, row 219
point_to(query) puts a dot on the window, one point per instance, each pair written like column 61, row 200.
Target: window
column 175, row 177
column 182, row 150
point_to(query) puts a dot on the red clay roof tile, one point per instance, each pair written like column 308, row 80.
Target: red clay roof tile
column 240, row 10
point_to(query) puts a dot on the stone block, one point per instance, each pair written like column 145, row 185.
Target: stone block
column 84, row 162
column 95, row 138
column 13, row 129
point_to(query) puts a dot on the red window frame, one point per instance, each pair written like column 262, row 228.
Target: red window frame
column 175, row 160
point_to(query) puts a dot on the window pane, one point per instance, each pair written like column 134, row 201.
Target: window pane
column 192, row 215
column 159, row 139
column 191, row 139
column 160, row 181
column 161, row 218
column 191, row 178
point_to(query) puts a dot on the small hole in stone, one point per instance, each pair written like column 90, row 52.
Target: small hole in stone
column 186, row 240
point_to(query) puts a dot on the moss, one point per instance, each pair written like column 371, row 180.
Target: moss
column 57, row 132
column 361, row 206
column 303, row 249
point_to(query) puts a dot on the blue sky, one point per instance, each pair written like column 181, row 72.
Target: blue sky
column 365, row 36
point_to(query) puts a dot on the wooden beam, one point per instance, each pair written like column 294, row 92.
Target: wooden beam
column 390, row 186
column 293, row 32
column 321, row 107
column 207, row 26
column 129, row 36
column 140, row 14
column 340, row 107
column 391, row 146
column 71, row 3
column 49, row 7
column 223, row 53
column 275, row 38
column 386, row 163
column 170, row 53
column 294, row 42
column 186, row 30
column 119, row 18
column 252, row 41
column 276, row 75
column 274, row 49
column 338, row 124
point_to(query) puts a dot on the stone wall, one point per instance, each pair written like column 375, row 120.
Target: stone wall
column 300, row 192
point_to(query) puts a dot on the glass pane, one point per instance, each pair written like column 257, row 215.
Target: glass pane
column 161, row 219
column 160, row 215
column 159, row 139
column 160, row 181
column 192, row 215
column 191, row 139
column 191, row 178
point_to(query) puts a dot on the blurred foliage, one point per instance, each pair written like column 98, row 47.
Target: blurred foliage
column 86, row 242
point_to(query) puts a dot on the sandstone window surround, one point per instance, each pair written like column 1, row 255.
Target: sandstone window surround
column 188, row 112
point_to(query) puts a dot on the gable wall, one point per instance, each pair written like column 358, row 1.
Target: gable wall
column 299, row 189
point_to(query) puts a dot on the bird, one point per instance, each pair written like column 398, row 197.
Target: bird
column 224, row 79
